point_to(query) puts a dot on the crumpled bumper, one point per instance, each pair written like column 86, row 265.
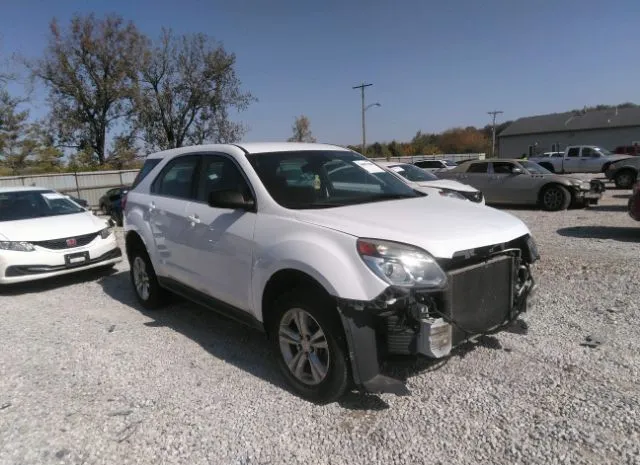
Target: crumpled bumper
column 482, row 298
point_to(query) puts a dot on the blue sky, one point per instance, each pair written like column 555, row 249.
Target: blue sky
column 434, row 65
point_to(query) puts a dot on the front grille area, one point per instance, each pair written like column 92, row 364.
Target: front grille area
column 473, row 196
column 60, row 244
column 479, row 297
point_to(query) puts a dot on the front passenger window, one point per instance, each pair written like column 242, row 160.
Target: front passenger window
column 220, row 173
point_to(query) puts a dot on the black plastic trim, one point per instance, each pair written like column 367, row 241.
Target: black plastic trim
column 29, row 270
column 211, row 303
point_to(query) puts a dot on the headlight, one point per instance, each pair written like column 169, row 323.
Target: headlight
column 106, row 232
column 401, row 264
column 16, row 246
column 452, row 194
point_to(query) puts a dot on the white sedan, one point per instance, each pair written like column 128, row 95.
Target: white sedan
column 43, row 234
column 419, row 178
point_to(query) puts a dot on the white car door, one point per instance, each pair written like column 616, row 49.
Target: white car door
column 221, row 239
column 571, row 162
column 590, row 161
column 171, row 192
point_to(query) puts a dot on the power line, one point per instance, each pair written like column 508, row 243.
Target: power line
column 494, row 113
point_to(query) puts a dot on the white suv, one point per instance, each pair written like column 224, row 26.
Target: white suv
column 340, row 271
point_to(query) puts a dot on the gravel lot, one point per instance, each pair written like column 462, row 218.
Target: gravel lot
column 86, row 376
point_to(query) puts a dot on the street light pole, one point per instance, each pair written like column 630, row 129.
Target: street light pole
column 493, row 131
column 364, row 136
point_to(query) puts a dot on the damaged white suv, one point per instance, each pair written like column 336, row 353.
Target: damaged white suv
column 340, row 271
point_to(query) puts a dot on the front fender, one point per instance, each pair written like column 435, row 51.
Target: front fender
column 330, row 257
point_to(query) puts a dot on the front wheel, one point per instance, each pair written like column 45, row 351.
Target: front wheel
column 555, row 198
column 625, row 179
column 145, row 282
column 307, row 337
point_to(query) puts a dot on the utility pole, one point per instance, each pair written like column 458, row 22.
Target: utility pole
column 364, row 136
column 494, row 113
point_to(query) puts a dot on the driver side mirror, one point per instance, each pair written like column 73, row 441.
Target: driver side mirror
column 517, row 171
column 230, row 198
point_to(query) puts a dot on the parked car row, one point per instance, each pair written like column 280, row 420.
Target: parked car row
column 343, row 263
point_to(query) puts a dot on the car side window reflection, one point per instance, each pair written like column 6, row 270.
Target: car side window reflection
column 220, row 173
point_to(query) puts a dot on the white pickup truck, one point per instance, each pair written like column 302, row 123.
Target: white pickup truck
column 578, row 159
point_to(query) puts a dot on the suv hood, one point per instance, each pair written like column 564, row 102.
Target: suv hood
column 52, row 227
column 439, row 225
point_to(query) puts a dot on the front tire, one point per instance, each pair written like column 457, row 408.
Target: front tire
column 145, row 282
column 625, row 179
column 555, row 198
column 309, row 343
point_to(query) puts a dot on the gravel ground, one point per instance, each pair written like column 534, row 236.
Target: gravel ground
column 87, row 377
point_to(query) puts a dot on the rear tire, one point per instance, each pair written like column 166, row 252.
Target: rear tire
column 555, row 198
column 145, row 282
column 625, row 179
column 306, row 334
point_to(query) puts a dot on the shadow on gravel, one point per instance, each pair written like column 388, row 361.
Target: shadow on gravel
column 609, row 208
column 618, row 233
column 57, row 282
column 621, row 196
column 243, row 347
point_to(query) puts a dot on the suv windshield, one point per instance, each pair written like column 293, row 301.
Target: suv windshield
column 26, row 205
column 534, row 168
column 324, row 179
column 413, row 173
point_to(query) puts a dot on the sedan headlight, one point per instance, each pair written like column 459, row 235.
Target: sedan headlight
column 401, row 264
column 452, row 194
column 106, row 232
column 16, row 246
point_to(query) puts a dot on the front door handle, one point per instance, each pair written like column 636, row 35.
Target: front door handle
column 152, row 206
column 194, row 218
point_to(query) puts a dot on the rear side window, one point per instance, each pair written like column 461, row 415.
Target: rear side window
column 427, row 164
column 478, row 168
column 178, row 179
column 149, row 165
column 573, row 152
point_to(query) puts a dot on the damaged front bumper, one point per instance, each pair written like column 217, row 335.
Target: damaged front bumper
column 483, row 296
column 589, row 196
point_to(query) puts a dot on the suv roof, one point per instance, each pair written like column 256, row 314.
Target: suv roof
column 249, row 147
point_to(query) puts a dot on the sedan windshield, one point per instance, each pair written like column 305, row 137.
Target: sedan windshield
column 26, row 205
column 325, row 179
column 413, row 173
column 534, row 168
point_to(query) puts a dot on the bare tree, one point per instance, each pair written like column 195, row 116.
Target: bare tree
column 90, row 71
column 188, row 85
column 302, row 130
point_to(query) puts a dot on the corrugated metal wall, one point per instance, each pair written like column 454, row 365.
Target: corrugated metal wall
column 89, row 186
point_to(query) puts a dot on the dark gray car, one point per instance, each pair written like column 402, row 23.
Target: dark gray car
column 521, row 182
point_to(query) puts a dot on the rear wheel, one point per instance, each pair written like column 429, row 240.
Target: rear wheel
column 555, row 198
column 308, row 340
column 145, row 282
column 625, row 179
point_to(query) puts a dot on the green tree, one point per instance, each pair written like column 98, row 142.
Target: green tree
column 188, row 87
column 301, row 130
column 123, row 154
column 90, row 72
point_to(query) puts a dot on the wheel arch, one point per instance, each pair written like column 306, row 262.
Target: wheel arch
column 287, row 279
column 554, row 184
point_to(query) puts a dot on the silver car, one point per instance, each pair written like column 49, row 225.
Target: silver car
column 521, row 182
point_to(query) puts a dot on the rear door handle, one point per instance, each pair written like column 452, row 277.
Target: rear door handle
column 194, row 218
